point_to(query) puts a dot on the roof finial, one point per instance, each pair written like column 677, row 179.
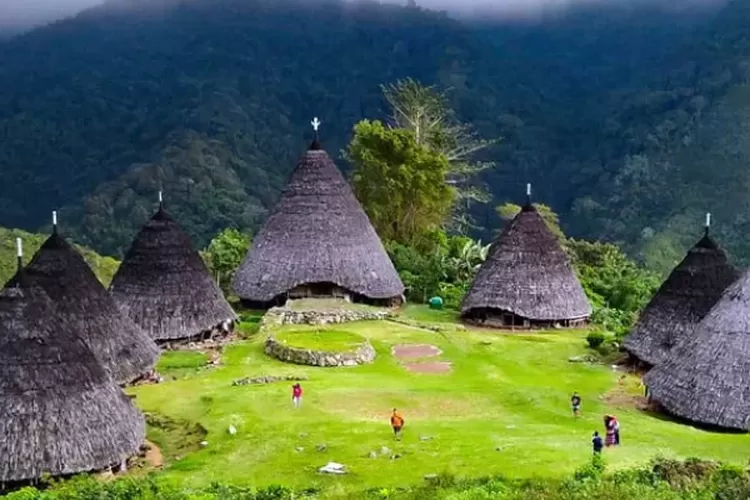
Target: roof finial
column 315, row 125
column 19, row 253
column 528, row 194
column 161, row 200
column 708, row 222
column 54, row 222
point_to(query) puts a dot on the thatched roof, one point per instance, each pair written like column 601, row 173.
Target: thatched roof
column 317, row 233
column 706, row 377
column 59, row 412
column 164, row 286
column 527, row 273
column 683, row 300
column 124, row 350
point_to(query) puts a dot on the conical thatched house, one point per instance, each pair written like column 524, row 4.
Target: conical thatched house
column 318, row 241
column 125, row 351
column 60, row 413
column 693, row 287
column 527, row 280
column 164, row 286
column 706, row 376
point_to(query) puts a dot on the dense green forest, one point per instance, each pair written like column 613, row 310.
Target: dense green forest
column 629, row 123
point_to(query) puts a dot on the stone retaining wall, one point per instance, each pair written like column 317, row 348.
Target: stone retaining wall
column 364, row 354
column 282, row 316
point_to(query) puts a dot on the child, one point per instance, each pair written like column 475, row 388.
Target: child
column 597, row 442
column 397, row 422
column 575, row 402
column 297, row 395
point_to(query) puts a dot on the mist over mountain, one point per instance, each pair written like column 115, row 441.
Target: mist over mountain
column 630, row 122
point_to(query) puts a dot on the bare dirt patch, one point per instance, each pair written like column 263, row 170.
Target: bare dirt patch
column 154, row 458
column 429, row 367
column 415, row 351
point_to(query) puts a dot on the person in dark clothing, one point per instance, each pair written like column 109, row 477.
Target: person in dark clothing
column 598, row 443
column 575, row 402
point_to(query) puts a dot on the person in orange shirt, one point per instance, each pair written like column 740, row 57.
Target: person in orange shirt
column 397, row 422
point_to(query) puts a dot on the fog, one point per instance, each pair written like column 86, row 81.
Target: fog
column 26, row 13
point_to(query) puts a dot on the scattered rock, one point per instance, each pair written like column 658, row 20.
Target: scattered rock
column 232, row 430
column 268, row 379
column 203, row 444
column 586, row 358
column 486, row 342
column 333, row 468
column 286, row 316
column 395, row 456
column 430, row 477
column 385, row 451
column 373, row 454
column 425, row 438
column 299, row 449
column 321, row 447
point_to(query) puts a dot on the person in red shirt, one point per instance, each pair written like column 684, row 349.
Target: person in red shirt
column 397, row 422
column 297, row 395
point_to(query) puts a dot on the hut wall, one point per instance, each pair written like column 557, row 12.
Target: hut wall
column 497, row 318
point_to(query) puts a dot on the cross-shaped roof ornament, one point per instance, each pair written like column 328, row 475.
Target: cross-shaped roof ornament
column 315, row 123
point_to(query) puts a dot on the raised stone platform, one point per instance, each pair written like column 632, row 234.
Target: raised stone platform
column 364, row 354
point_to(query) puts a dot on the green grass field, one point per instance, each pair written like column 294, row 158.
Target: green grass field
column 504, row 409
column 317, row 339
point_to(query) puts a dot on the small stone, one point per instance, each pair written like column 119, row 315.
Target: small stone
column 204, row 444
column 395, row 456
column 384, row 450
column 232, row 430
column 321, row 447
column 303, row 434
column 429, row 477
column 299, row 449
column 373, row 454
column 425, row 438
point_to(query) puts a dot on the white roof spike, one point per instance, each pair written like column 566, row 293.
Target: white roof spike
column 708, row 219
column 54, row 217
column 528, row 189
column 19, row 247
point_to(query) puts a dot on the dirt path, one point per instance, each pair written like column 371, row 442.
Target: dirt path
column 154, row 458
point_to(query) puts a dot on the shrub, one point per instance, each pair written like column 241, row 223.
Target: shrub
column 595, row 339
column 592, row 471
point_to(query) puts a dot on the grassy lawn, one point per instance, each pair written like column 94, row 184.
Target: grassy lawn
column 178, row 364
column 317, row 339
column 504, row 409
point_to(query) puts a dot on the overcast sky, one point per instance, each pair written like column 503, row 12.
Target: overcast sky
column 29, row 12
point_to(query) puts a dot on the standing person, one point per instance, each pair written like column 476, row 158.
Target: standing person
column 597, row 442
column 575, row 402
column 297, row 395
column 397, row 422
column 610, row 428
column 616, row 426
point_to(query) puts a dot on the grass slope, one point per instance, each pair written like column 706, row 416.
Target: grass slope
column 503, row 410
column 104, row 267
column 328, row 340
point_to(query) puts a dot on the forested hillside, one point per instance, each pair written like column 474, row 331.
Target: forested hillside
column 630, row 123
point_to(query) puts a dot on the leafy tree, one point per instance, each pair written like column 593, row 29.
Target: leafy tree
column 426, row 111
column 400, row 183
column 225, row 253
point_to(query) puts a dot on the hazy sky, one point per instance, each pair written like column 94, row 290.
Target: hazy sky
column 28, row 12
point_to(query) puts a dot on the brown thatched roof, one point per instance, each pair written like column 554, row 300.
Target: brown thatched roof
column 164, row 286
column 124, row 350
column 317, row 233
column 706, row 376
column 528, row 274
column 683, row 300
column 60, row 413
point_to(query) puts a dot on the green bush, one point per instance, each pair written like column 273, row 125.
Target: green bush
column 595, row 339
